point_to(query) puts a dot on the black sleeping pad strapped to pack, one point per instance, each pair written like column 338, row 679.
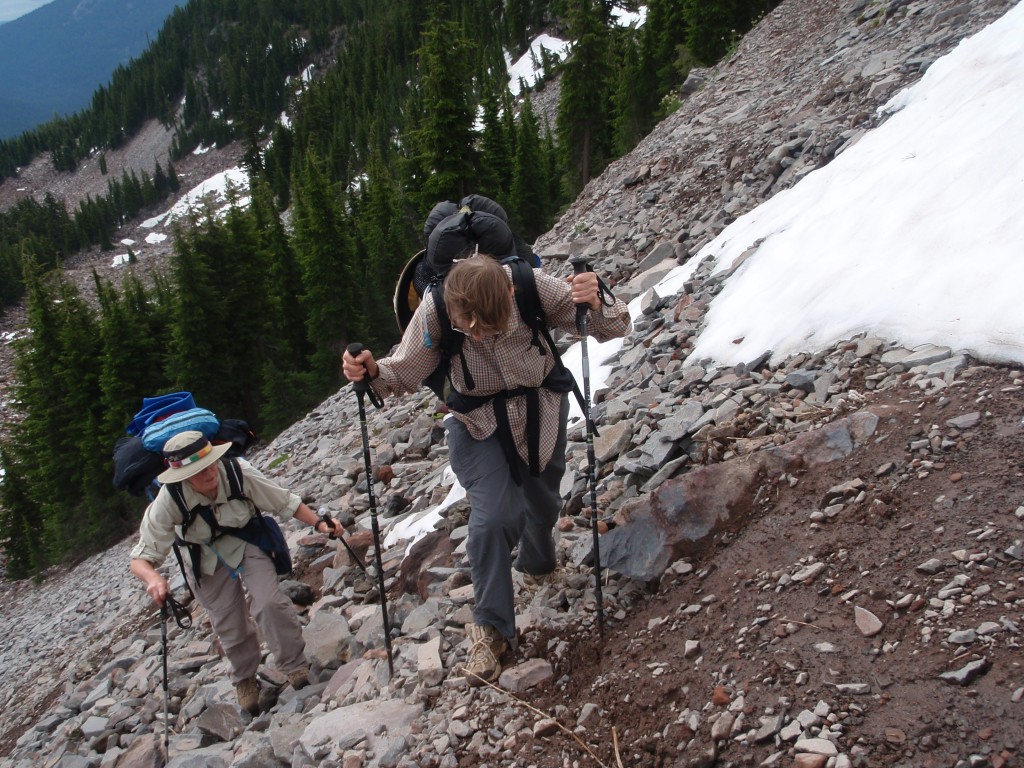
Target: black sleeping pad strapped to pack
column 136, row 467
column 452, row 231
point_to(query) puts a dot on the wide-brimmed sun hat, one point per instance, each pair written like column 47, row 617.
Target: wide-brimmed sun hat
column 187, row 454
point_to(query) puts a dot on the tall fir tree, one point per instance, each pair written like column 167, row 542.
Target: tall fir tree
column 56, row 441
column 583, row 107
column 285, row 385
column 324, row 249
column 710, row 27
column 553, row 169
column 198, row 315
column 445, row 127
column 241, row 278
column 630, row 97
column 529, row 202
column 495, row 179
column 382, row 230
column 132, row 335
column 663, row 53
column 20, row 532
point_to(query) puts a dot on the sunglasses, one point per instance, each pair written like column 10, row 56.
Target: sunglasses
column 463, row 331
column 474, row 332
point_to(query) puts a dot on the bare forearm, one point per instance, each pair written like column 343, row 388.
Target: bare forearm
column 156, row 585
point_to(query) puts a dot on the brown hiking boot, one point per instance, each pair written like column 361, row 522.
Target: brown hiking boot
column 527, row 586
column 248, row 693
column 483, row 664
column 299, row 678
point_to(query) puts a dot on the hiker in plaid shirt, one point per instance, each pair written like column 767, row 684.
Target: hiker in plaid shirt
column 506, row 428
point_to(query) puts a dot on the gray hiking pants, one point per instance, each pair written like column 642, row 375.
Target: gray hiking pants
column 222, row 596
column 504, row 514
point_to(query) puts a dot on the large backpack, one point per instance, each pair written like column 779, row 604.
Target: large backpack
column 476, row 224
column 138, row 458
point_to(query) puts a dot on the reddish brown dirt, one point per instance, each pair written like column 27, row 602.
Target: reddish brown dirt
column 639, row 677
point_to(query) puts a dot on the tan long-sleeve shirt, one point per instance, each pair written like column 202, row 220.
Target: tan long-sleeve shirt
column 162, row 520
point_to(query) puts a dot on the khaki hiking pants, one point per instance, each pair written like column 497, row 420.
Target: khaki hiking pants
column 222, row 596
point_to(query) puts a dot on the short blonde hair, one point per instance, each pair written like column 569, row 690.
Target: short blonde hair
column 478, row 296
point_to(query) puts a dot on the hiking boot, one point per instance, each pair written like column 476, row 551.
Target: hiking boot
column 483, row 664
column 248, row 693
column 299, row 678
column 528, row 585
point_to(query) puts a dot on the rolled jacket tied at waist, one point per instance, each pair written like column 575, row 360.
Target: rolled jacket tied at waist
column 262, row 531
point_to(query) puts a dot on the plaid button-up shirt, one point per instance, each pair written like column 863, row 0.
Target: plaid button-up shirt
column 503, row 362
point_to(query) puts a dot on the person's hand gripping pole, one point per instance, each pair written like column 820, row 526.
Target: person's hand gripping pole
column 332, row 533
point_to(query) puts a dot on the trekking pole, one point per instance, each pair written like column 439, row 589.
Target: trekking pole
column 579, row 266
column 362, row 388
column 163, row 643
column 325, row 518
column 183, row 618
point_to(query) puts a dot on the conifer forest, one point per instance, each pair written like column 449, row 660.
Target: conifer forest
column 409, row 105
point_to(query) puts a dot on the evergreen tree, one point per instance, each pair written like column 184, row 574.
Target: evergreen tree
column 58, row 390
column 446, row 135
column 629, row 99
column 132, row 334
column 663, row 53
column 324, row 249
column 241, row 278
column 285, row 387
column 495, row 177
column 20, row 532
column 553, row 169
column 529, row 199
column 383, row 233
column 583, row 124
column 710, row 27
column 198, row 315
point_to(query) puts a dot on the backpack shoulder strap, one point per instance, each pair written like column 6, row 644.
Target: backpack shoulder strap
column 234, row 473
column 532, row 311
column 196, row 561
column 528, row 300
column 188, row 515
column 448, row 345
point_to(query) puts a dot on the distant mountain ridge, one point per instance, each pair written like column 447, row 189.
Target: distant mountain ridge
column 54, row 58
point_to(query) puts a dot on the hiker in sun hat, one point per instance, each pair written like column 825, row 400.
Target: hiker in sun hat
column 224, row 563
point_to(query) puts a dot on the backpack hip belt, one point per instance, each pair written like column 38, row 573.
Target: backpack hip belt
column 558, row 380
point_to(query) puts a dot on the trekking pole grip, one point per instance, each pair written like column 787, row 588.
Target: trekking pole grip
column 354, row 349
column 579, row 266
column 362, row 386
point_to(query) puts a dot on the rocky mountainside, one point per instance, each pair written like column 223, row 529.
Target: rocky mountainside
column 814, row 563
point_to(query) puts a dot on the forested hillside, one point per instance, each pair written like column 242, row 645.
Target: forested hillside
column 53, row 57
column 356, row 116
